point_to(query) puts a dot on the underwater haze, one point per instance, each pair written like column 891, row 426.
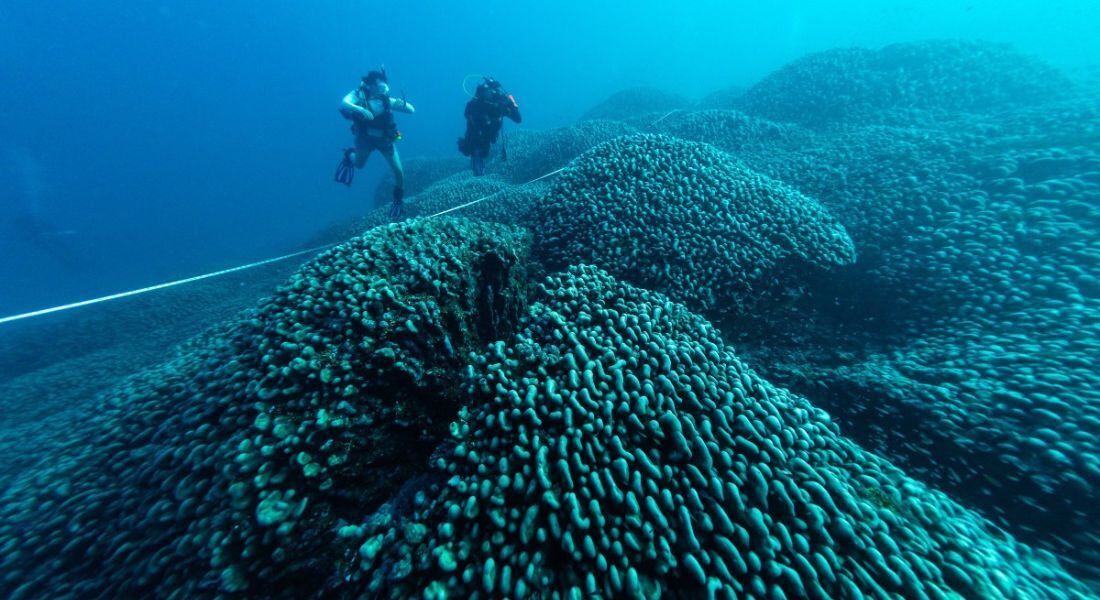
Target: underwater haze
column 148, row 141
column 747, row 300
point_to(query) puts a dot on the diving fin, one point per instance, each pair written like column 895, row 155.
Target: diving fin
column 345, row 171
column 397, row 209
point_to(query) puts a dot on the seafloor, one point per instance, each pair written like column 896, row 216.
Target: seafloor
column 833, row 336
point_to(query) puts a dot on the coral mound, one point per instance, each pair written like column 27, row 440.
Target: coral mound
column 687, row 220
column 230, row 468
column 532, row 154
column 733, row 131
column 411, row 416
column 420, row 173
column 638, row 103
column 723, row 98
column 857, row 83
column 616, row 447
column 486, row 198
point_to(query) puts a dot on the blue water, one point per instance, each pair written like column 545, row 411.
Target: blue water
column 766, row 300
column 161, row 139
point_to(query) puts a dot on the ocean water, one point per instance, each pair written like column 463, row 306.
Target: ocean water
column 780, row 301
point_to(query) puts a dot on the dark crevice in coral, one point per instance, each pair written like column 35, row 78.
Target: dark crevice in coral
column 498, row 305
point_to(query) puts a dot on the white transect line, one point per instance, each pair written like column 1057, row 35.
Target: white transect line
column 473, row 202
column 160, row 286
column 667, row 115
column 169, row 284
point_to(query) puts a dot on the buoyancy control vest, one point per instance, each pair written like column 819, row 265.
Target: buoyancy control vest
column 383, row 125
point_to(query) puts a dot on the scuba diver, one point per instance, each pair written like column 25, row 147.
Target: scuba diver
column 370, row 110
column 484, row 118
column 38, row 233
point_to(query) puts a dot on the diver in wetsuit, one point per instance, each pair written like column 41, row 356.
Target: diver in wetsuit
column 370, row 109
column 484, row 118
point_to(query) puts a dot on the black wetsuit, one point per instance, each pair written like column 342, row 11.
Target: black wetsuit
column 484, row 118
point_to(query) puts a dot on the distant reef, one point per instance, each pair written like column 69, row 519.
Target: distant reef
column 633, row 104
column 861, row 84
column 832, row 337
